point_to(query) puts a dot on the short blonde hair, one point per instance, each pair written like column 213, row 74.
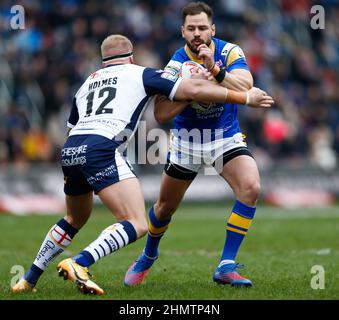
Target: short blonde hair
column 116, row 44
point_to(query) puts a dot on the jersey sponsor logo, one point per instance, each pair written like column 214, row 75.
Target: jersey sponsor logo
column 174, row 64
column 71, row 156
column 73, row 162
column 168, row 76
column 74, row 150
column 172, row 70
column 109, row 171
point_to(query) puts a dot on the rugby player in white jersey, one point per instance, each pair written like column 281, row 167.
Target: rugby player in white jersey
column 225, row 149
column 104, row 116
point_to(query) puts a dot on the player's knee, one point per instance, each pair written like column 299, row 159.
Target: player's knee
column 77, row 221
column 254, row 190
column 250, row 192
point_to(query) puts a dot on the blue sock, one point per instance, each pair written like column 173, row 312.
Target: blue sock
column 60, row 236
column 84, row 258
column 156, row 229
column 33, row 274
column 237, row 227
column 110, row 240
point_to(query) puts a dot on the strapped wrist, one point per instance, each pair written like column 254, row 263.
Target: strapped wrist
column 215, row 70
column 247, row 98
column 210, row 69
column 220, row 76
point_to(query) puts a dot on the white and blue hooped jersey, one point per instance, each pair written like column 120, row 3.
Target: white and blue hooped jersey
column 112, row 100
column 228, row 56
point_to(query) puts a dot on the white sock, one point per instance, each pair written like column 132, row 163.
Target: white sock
column 223, row 262
column 110, row 240
column 55, row 243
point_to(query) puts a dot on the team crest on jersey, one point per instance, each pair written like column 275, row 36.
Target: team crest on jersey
column 94, row 75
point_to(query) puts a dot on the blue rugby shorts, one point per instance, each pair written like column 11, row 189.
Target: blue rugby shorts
column 92, row 163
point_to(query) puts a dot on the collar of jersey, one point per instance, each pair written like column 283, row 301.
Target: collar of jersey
column 189, row 53
column 113, row 64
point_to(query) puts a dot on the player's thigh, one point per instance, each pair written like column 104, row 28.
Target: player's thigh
column 79, row 209
column 124, row 199
column 241, row 173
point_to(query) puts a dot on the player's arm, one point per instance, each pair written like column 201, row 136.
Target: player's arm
column 203, row 90
column 238, row 77
column 165, row 109
column 160, row 82
column 73, row 117
column 238, row 80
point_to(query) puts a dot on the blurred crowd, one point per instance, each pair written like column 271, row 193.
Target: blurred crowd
column 43, row 65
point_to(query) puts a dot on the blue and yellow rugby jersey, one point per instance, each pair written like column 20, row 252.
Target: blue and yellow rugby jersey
column 226, row 55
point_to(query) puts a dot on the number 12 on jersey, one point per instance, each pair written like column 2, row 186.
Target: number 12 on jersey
column 102, row 107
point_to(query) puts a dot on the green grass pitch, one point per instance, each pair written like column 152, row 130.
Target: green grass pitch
column 279, row 252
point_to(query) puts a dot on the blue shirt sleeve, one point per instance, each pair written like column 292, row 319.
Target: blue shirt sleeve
column 238, row 64
column 74, row 116
column 159, row 82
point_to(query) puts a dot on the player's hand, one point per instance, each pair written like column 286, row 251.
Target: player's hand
column 259, row 99
column 206, row 54
column 198, row 73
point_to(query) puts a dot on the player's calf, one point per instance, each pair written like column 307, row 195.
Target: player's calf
column 57, row 239
column 140, row 226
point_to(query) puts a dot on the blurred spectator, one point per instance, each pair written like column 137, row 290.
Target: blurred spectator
column 321, row 153
column 36, row 145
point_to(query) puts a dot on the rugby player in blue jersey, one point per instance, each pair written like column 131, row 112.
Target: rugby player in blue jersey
column 105, row 114
column 225, row 149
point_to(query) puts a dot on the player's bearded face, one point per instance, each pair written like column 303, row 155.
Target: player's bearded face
column 197, row 30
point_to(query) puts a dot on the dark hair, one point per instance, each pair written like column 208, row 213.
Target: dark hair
column 194, row 8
